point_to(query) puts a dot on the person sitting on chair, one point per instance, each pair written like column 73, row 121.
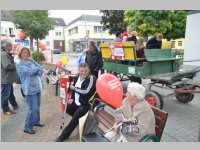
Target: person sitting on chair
column 136, row 110
column 84, row 90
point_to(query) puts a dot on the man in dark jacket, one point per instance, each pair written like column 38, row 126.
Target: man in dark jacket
column 94, row 59
column 84, row 90
column 155, row 42
column 8, row 77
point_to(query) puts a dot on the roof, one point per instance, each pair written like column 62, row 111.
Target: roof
column 88, row 18
column 7, row 16
column 59, row 21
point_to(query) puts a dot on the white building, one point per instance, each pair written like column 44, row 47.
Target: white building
column 54, row 40
column 192, row 40
column 84, row 28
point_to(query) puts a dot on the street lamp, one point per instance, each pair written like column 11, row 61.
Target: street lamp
column 135, row 20
column 86, row 32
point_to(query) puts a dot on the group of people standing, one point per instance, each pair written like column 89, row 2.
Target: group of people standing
column 29, row 73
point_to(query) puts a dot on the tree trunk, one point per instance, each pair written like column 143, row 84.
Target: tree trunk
column 146, row 38
column 31, row 43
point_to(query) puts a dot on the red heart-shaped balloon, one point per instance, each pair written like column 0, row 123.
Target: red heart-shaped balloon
column 110, row 90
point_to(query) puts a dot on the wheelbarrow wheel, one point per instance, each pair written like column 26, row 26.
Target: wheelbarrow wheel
column 154, row 99
column 184, row 97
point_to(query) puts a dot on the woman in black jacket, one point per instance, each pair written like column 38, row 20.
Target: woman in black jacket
column 84, row 88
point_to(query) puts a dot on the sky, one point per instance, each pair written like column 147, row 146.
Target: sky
column 69, row 15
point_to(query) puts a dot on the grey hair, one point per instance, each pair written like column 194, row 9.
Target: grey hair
column 84, row 65
column 136, row 89
column 5, row 42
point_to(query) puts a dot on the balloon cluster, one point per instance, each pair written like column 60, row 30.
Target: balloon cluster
column 42, row 46
column 22, row 36
column 59, row 64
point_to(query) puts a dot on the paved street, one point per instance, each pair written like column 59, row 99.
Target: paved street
column 182, row 124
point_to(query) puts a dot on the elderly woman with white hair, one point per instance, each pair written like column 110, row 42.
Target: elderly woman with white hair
column 136, row 110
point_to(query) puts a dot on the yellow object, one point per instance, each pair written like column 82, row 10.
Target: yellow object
column 131, row 43
column 64, row 60
column 166, row 44
column 92, row 98
column 129, row 53
column 104, row 44
column 81, row 125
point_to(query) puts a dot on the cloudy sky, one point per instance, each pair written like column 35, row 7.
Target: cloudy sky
column 69, row 15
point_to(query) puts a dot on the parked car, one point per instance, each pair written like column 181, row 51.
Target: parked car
column 56, row 51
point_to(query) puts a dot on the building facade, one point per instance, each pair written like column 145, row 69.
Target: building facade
column 83, row 29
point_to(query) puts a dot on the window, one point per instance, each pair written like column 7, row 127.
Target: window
column 173, row 44
column 98, row 29
column 11, row 30
column 58, row 33
column 73, row 31
column 2, row 30
column 180, row 43
column 88, row 32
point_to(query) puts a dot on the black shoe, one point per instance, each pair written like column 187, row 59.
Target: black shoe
column 58, row 140
column 29, row 132
column 39, row 124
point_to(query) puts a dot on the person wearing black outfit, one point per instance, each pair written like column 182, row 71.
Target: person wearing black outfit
column 84, row 88
column 94, row 59
column 155, row 42
column 132, row 37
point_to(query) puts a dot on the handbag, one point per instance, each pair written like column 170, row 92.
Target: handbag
column 130, row 127
column 113, row 136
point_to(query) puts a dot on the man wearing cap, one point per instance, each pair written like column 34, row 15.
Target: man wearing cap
column 8, row 77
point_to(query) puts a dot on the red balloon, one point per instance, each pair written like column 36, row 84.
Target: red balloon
column 42, row 46
column 59, row 64
column 22, row 36
column 110, row 90
column 15, row 48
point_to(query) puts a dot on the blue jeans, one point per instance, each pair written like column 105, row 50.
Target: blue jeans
column 33, row 114
column 7, row 95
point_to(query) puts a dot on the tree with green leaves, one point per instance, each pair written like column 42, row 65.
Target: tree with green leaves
column 34, row 23
column 147, row 22
column 112, row 20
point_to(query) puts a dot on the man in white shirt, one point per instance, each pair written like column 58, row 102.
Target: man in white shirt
column 84, row 89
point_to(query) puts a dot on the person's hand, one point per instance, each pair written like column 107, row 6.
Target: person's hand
column 70, row 101
column 116, row 127
column 72, row 87
column 125, row 119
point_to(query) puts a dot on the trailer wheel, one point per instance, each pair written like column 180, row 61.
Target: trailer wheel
column 184, row 97
column 154, row 99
